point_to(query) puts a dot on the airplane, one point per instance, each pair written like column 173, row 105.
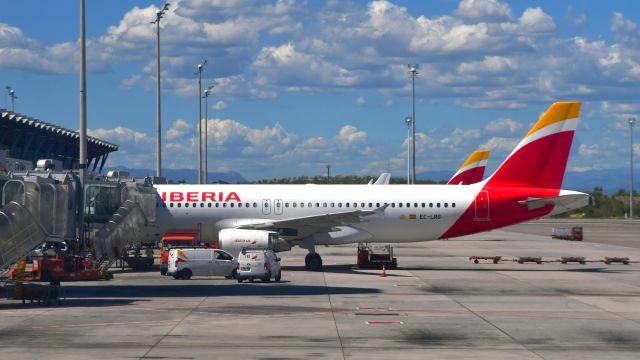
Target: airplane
column 472, row 170
column 526, row 186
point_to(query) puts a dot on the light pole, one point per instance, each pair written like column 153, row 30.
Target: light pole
column 199, row 73
column 407, row 120
column 206, row 132
column 631, row 122
column 328, row 174
column 159, row 15
column 83, row 125
column 12, row 95
column 413, row 70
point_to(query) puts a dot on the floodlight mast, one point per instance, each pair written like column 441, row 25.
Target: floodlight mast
column 407, row 120
column 207, row 92
column 83, row 126
column 413, row 71
column 632, row 121
column 199, row 73
column 12, row 95
column 159, row 15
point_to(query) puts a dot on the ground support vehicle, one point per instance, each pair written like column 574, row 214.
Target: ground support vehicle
column 185, row 263
column 179, row 238
column 570, row 259
column 494, row 259
column 259, row 264
column 527, row 259
column 567, row 233
column 40, row 293
column 61, row 267
column 136, row 261
column 610, row 260
column 375, row 256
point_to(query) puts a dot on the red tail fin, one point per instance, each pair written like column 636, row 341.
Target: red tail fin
column 540, row 159
column 472, row 170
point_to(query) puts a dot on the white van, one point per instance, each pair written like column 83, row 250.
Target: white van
column 258, row 264
column 184, row 263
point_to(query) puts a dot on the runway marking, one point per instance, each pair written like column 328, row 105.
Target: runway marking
column 374, row 308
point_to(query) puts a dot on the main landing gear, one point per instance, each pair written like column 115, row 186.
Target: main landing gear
column 313, row 262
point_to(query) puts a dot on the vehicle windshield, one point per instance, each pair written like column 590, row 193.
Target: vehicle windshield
column 176, row 243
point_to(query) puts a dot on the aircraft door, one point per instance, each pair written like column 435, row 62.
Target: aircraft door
column 482, row 206
column 266, row 206
column 277, row 204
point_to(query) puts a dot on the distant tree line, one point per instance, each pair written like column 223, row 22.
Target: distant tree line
column 338, row 179
column 606, row 206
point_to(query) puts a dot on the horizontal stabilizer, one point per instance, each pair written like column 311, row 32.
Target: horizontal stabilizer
column 566, row 201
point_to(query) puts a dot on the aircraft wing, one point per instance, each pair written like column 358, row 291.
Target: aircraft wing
column 307, row 225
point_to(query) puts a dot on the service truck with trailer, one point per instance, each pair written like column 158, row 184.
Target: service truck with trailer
column 567, row 233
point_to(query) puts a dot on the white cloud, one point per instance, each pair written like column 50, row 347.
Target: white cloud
column 500, row 144
column 285, row 66
column 360, row 101
column 489, row 65
column 178, row 129
column 484, row 10
column 589, row 150
column 220, row 105
column 234, row 135
column 502, row 126
column 536, row 21
column 121, row 135
column 349, row 136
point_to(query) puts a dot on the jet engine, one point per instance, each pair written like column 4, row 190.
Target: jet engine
column 235, row 240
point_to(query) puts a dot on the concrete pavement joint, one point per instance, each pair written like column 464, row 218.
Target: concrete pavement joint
column 173, row 328
column 333, row 314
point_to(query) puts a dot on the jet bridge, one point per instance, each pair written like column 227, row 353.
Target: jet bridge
column 42, row 206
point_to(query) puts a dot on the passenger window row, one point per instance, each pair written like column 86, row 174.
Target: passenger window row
column 224, row 205
column 310, row 205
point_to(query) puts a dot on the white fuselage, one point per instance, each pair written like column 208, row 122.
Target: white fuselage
column 432, row 208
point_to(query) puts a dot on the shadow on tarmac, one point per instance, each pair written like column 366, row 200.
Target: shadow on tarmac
column 65, row 303
column 198, row 290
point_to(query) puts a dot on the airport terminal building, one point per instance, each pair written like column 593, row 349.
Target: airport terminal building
column 25, row 140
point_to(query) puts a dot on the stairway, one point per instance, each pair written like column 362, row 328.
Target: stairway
column 20, row 232
column 116, row 236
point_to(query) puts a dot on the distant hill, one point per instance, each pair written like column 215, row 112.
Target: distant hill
column 190, row 176
column 610, row 180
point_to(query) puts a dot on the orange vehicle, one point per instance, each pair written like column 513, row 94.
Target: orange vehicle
column 179, row 238
column 62, row 267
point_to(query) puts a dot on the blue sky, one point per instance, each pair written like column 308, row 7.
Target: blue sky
column 299, row 84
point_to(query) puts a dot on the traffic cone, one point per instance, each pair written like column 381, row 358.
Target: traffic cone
column 383, row 273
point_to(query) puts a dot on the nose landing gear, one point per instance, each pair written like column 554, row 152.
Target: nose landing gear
column 313, row 262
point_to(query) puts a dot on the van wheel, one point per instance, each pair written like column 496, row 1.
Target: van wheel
column 186, row 274
column 233, row 275
column 240, row 280
column 267, row 277
column 278, row 277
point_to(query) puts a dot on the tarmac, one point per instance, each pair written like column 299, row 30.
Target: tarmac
column 437, row 305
